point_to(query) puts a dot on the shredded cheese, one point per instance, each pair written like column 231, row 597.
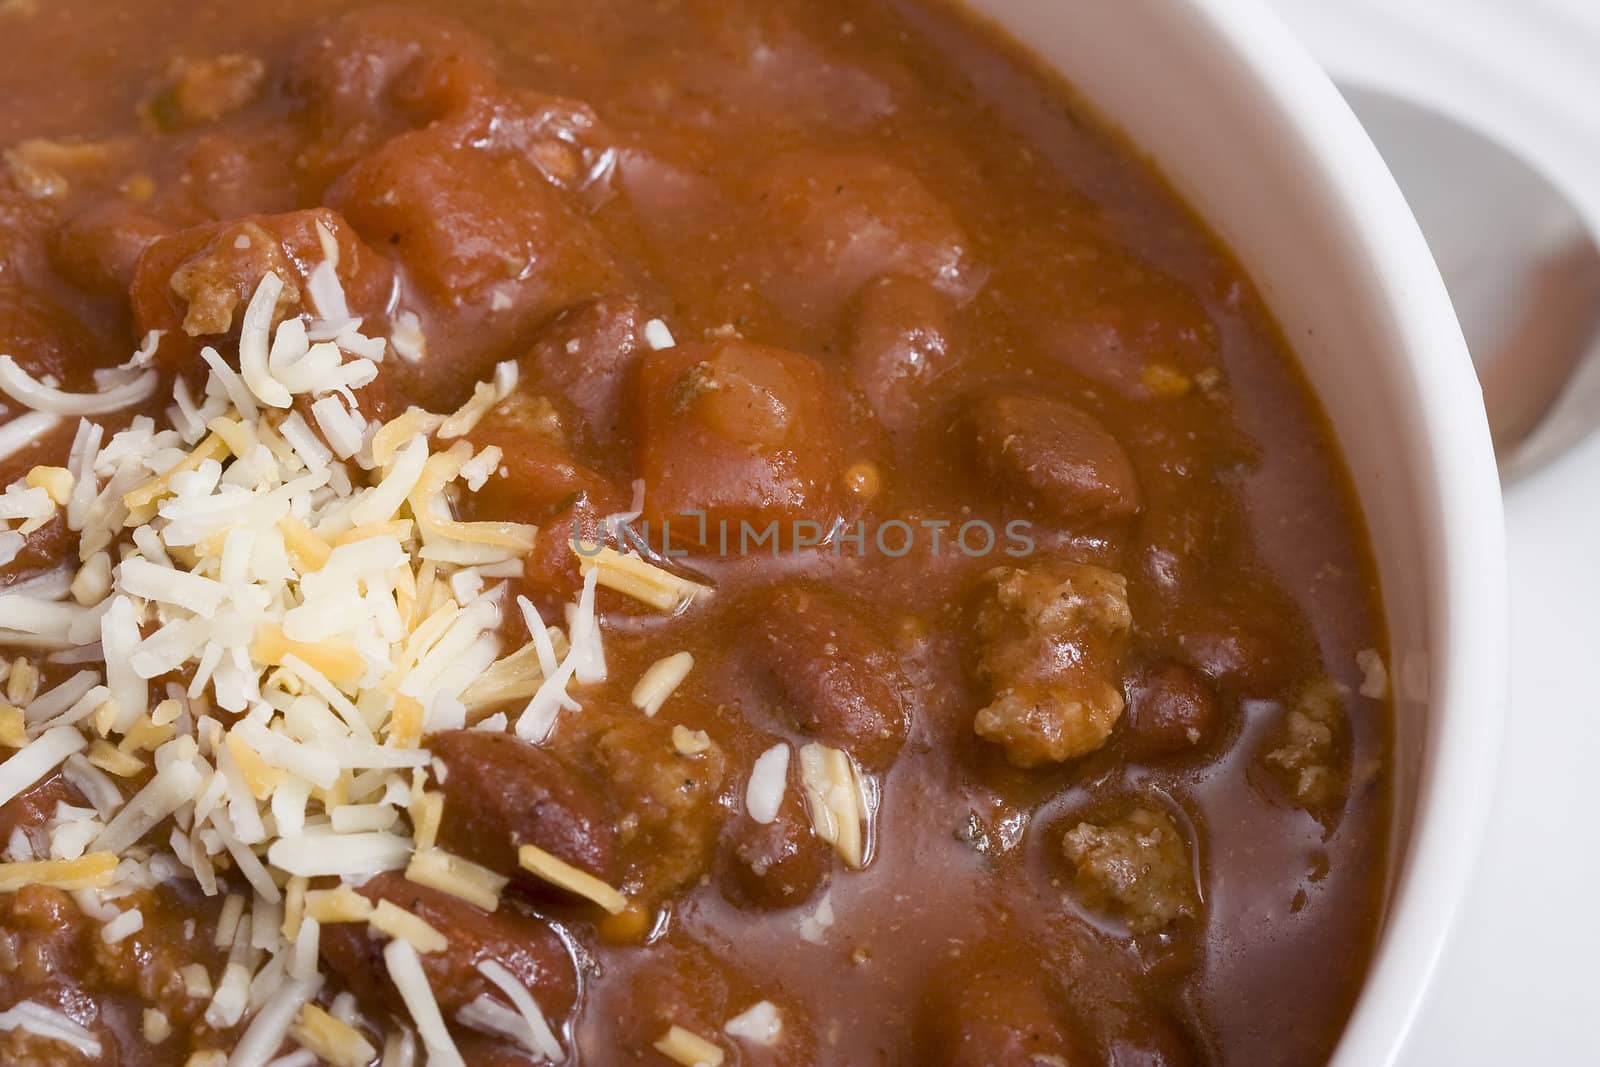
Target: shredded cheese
column 52, row 1025
column 759, row 1024
column 333, row 1041
column 638, row 578
column 32, row 763
column 768, row 782
column 469, row 414
column 123, row 926
column 1374, row 674
column 657, row 336
column 29, row 391
column 689, row 742
column 394, row 921
column 339, row 905
column 405, row 971
column 113, row 760
column 461, row 878
column 427, row 811
column 274, row 607
column 559, row 873
column 835, row 800
column 23, row 431
column 689, row 1048
column 13, row 731
column 93, row 871
column 660, row 680
column 55, row 481
column 213, row 447
column 155, row 1026
column 542, row 1039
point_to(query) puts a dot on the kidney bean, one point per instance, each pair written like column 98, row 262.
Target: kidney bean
column 542, row 476
column 551, row 574
column 899, row 343
column 836, row 677
column 491, row 245
column 1171, row 709
column 523, row 944
column 1180, row 546
column 226, row 176
column 98, row 250
column 45, row 339
column 776, row 865
column 1053, row 456
column 1239, row 651
column 1090, row 314
column 583, row 357
column 42, row 550
column 1142, row 1035
column 682, row 982
column 501, row 792
column 25, row 225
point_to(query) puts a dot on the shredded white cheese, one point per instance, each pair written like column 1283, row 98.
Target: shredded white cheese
column 544, row 1040
column 835, row 800
column 688, row 1048
column 304, row 577
column 814, row 927
column 1374, row 675
column 759, row 1024
column 769, row 777
column 657, row 336
column 24, row 431
column 123, row 926
column 39, row 397
column 50, row 1024
column 660, row 680
column 405, row 971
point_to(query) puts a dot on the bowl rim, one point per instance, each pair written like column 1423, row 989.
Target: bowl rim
column 1469, row 602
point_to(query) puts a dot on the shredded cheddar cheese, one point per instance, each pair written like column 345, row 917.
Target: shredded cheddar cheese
column 689, row 1048
column 396, row 922
column 563, row 875
column 334, row 1042
column 93, row 871
column 638, row 578
column 272, row 610
column 461, row 878
column 341, row 905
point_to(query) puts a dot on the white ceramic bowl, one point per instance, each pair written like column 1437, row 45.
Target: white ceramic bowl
column 1253, row 134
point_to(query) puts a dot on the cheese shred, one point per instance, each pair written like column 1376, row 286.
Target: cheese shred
column 271, row 609
column 638, row 578
column 563, row 875
column 689, row 1048
column 93, row 871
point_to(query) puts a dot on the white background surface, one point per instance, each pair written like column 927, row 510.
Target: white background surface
column 1520, row 982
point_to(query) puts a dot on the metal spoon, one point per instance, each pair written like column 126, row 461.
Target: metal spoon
column 1522, row 267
